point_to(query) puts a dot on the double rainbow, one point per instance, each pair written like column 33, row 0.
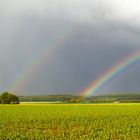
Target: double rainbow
column 94, row 87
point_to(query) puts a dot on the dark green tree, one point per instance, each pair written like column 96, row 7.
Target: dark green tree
column 13, row 99
column 4, row 98
column 8, row 98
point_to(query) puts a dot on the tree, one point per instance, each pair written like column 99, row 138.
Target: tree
column 8, row 98
column 13, row 99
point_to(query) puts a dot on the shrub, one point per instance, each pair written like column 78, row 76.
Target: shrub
column 8, row 98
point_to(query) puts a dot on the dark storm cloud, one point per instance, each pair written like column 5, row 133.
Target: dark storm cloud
column 81, row 60
column 108, row 31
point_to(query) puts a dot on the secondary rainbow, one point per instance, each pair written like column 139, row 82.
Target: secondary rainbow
column 111, row 73
column 30, row 69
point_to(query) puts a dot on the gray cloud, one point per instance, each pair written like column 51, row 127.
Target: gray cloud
column 108, row 31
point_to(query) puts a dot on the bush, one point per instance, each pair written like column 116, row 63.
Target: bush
column 8, row 98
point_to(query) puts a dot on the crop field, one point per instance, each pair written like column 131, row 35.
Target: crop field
column 70, row 121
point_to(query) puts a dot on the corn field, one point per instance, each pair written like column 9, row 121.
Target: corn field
column 70, row 122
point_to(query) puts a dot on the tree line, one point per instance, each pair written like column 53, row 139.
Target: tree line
column 81, row 99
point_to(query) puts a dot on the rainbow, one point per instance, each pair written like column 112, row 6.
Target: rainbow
column 30, row 69
column 111, row 73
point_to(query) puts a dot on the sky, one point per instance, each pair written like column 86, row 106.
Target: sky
column 80, row 39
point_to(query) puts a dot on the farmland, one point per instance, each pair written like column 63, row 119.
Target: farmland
column 70, row 121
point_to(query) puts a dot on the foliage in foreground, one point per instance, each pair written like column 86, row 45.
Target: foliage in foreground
column 70, row 122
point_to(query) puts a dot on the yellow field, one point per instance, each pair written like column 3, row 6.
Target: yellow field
column 70, row 121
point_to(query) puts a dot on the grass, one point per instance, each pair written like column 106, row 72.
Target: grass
column 70, row 121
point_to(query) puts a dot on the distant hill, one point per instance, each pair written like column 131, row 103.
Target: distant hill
column 117, row 97
column 72, row 98
column 45, row 98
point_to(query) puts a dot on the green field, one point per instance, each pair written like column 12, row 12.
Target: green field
column 70, row 121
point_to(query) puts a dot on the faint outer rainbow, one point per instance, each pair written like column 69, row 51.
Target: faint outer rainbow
column 114, row 71
column 33, row 65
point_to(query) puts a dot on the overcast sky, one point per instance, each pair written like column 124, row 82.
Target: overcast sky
column 99, row 33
